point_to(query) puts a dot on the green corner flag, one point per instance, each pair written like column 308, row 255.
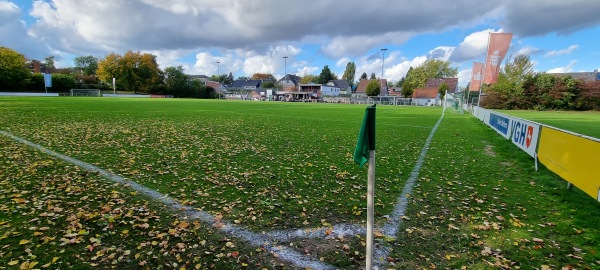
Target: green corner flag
column 366, row 137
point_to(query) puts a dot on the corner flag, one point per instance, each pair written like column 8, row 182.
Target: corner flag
column 365, row 151
column 366, row 137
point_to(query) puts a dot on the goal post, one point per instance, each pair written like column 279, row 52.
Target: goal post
column 86, row 93
column 454, row 100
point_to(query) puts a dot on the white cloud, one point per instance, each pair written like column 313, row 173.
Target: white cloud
column 565, row 69
column 342, row 62
column 246, row 63
column 13, row 32
column 441, row 53
column 528, row 50
column 566, row 51
column 473, row 46
column 358, row 45
column 540, row 17
column 251, row 34
column 464, row 77
column 394, row 72
column 307, row 70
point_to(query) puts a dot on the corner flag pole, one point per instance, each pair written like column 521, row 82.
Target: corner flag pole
column 370, row 209
column 365, row 151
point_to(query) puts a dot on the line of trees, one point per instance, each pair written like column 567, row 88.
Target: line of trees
column 134, row 72
column 519, row 87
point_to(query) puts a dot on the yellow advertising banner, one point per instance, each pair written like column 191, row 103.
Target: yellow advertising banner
column 576, row 159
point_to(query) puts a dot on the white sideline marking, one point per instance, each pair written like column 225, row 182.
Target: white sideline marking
column 395, row 219
column 339, row 230
column 254, row 239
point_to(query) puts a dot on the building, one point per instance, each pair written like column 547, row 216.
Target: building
column 437, row 82
column 202, row 78
column 426, row 97
column 343, row 85
column 219, row 87
column 361, row 89
column 289, row 83
column 584, row 76
column 395, row 91
column 330, row 91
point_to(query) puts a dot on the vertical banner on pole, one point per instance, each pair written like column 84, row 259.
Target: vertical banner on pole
column 365, row 151
column 47, row 81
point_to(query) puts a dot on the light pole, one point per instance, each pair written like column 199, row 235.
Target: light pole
column 218, row 79
column 382, row 62
column 285, row 66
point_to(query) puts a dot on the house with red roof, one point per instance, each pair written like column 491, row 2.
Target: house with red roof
column 452, row 83
column 361, row 89
column 426, row 97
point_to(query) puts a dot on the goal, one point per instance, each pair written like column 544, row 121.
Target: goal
column 85, row 92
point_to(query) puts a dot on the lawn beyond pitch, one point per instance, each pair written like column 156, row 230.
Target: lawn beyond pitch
column 586, row 123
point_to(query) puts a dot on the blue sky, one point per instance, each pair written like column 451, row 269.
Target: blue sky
column 254, row 35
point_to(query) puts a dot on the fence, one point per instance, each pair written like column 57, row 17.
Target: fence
column 572, row 156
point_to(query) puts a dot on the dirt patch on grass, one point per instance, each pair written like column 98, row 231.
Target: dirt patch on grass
column 489, row 149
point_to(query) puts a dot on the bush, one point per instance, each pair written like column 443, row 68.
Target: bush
column 36, row 83
column 62, row 83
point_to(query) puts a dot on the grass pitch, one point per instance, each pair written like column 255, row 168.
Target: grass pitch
column 273, row 166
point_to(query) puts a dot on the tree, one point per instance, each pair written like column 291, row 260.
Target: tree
column 349, row 72
column 325, row 75
column 309, row 78
column 223, row 78
column 509, row 90
column 175, row 80
column 373, row 88
column 268, row 85
column 108, row 68
column 400, row 82
column 417, row 77
column 133, row 70
column 363, row 76
column 589, row 98
column 229, row 80
column 373, row 76
column 49, row 63
column 13, row 72
column 62, row 83
column 442, row 89
column 87, row 65
column 263, row 77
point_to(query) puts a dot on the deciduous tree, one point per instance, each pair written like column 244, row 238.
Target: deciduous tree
column 13, row 72
column 87, row 65
column 175, row 80
column 309, row 78
column 373, row 88
column 349, row 73
column 263, row 76
column 134, row 71
column 417, row 77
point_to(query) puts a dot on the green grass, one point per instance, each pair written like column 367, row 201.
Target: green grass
column 586, row 123
column 269, row 166
column 486, row 208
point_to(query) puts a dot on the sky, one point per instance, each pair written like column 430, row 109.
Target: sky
column 254, row 36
